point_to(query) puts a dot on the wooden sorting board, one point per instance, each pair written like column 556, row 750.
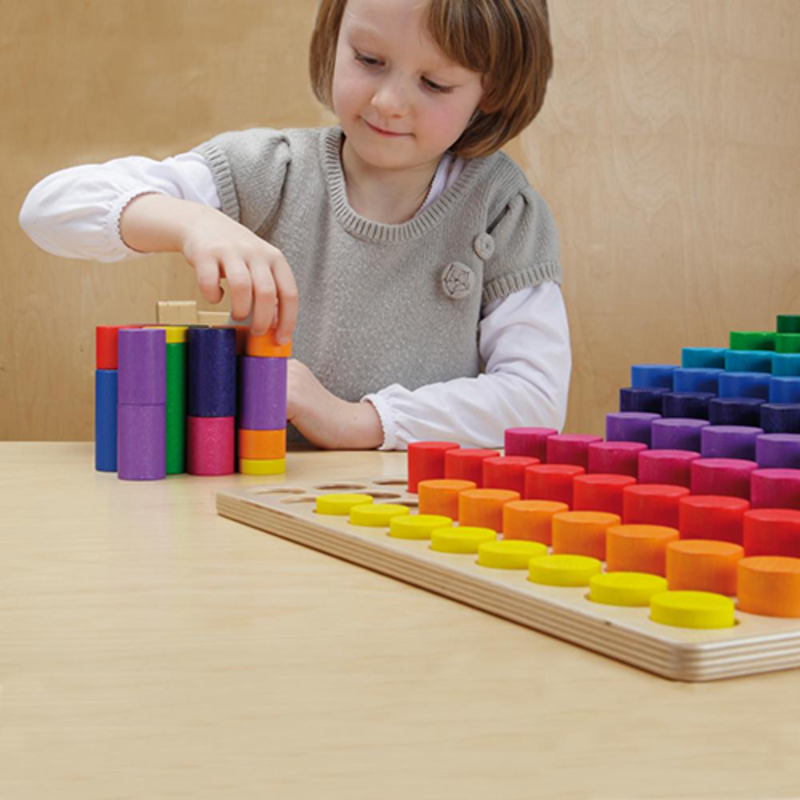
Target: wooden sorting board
column 755, row 644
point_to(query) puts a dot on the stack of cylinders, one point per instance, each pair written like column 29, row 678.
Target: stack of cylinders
column 142, row 416
column 176, row 336
column 211, row 429
column 262, row 408
column 106, row 393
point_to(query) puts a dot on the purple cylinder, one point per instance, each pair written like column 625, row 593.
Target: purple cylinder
column 677, row 434
column 142, row 366
column 729, row 441
column 530, row 442
column 775, row 488
column 142, row 451
column 263, row 393
column 629, row 426
column 778, row 450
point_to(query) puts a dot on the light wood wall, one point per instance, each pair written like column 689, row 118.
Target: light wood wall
column 668, row 150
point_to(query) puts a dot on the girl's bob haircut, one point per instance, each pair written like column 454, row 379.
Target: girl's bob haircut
column 506, row 41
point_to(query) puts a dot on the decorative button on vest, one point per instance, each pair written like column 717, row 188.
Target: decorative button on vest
column 458, row 280
column 484, row 246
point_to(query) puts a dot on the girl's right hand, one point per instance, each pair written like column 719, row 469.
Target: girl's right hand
column 259, row 277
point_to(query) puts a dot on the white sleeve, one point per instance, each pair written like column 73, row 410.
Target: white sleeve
column 75, row 213
column 524, row 343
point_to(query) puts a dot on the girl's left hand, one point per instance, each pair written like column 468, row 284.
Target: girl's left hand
column 326, row 420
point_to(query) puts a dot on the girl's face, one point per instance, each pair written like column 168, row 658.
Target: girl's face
column 400, row 102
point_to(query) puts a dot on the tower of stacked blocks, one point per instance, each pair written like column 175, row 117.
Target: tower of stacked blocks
column 189, row 398
column 691, row 500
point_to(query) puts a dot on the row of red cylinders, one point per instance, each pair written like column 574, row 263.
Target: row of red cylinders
column 707, row 515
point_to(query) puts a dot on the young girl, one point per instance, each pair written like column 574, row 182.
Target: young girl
column 424, row 267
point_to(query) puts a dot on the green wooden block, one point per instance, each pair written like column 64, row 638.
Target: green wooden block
column 788, row 323
column 752, row 340
column 787, row 343
column 176, row 409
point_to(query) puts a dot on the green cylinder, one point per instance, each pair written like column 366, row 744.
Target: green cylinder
column 176, row 409
column 787, row 343
column 753, row 340
column 788, row 323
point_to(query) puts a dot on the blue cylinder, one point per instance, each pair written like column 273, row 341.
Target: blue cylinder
column 652, row 376
column 784, row 390
column 786, row 365
column 735, row 411
column 687, row 405
column 696, row 380
column 780, row 417
column 744, row 384
column 748, row 361
column 212, row 372
column 647, row 401
column 703, row 357
column 106, row 395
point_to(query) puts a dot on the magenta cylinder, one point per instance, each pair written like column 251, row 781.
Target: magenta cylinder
column 211, row 444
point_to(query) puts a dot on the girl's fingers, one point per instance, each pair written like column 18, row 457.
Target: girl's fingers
column 240, row 285
column 288, row 300
column 263, row 297
column 207, row 273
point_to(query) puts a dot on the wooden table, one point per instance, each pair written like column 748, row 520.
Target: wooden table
column 151, row 649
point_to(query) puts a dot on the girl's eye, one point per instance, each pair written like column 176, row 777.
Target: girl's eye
column 374, row 62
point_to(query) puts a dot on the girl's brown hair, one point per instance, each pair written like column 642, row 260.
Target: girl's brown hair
column 507, row 41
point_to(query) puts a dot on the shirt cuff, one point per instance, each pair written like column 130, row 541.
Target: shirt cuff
column 111, row 225
column 386, row 418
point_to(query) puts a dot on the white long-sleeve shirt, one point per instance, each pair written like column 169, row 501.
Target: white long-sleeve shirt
column 524, row 338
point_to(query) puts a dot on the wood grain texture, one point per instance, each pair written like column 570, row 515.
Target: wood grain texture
column 668, row 150
column 152, row 649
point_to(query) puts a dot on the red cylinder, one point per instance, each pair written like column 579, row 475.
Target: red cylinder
column 652, row 504
column 617, row 458
column 600, row 492
column 775, row 488
column 426, row 461
column 772, row 532
column 726, row 476
column 666, row 466
column 507, row 472
column 708, row 516
column 570, row 448
column 106, row 337
column 210, row 445
column 551, row 482
column 467, row 465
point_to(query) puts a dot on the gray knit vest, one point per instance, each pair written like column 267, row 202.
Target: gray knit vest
column 383, row 304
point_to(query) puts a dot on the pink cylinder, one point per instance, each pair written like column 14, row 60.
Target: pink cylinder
column 615, row 458
column 727, row 476
column 666, row 466
column 531, row 442
column 775, row 488
column 210, row 444
column 570, row 448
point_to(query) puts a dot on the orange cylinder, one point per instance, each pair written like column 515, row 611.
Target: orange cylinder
column 483, row 508
column 582, row 533
column 703, row 565
column 769, row 585
column 638, row 548
column 531, row 520
column 440, row 496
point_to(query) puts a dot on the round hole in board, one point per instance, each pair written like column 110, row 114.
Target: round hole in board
column 338, row 487
column 308, row 499
column 392, row 482
column 383, row 495
column 408, row 503
column 273, row 490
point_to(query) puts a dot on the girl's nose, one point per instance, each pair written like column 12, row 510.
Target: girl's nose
column 390, row 99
